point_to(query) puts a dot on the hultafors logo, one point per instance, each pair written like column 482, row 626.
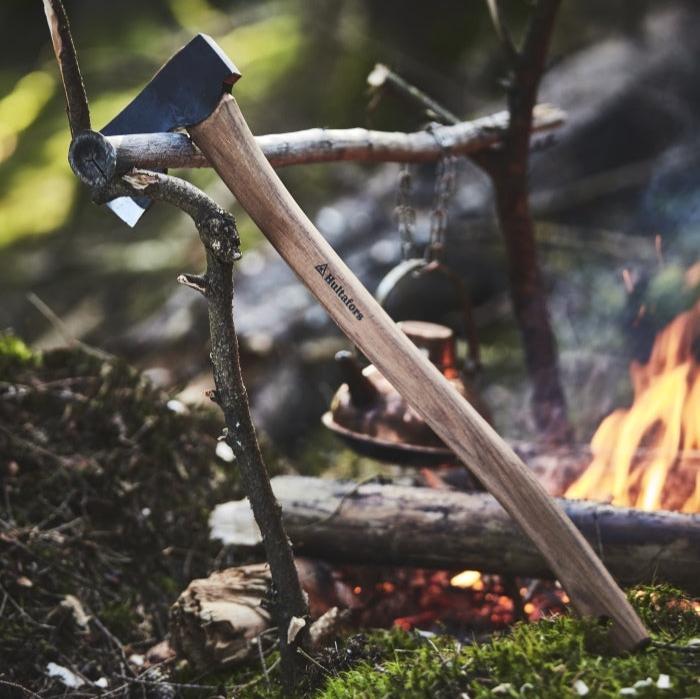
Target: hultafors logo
column 330, row 279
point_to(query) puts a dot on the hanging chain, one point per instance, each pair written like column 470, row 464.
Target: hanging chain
column 445, row 183
column 405, row 213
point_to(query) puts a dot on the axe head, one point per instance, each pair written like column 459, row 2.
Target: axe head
column 185, row 91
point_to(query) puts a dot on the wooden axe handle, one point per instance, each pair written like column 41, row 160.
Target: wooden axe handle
column 229, row 145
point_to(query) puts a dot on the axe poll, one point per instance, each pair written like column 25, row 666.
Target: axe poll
column 191, row 91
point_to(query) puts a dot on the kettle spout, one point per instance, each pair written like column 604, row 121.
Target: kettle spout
column 363, row 392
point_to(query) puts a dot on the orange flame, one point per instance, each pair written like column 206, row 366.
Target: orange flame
column 648, row 456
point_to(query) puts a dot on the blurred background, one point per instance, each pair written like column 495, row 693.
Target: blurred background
column 615, row 193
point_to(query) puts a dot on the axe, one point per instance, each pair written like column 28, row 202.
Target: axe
column 192, row 91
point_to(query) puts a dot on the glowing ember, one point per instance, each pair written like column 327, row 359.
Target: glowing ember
column 466, row 579
column 648, row 456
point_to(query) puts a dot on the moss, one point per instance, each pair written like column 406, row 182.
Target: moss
column 14, row 355
column 552, row 659
column 540, row 660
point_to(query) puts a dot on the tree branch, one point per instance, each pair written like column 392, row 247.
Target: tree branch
column 217, row 230
column 502, row 31
column 508, row 168
column 73, row 86
column 528, row 70
column 382, row 77
column 174, row 150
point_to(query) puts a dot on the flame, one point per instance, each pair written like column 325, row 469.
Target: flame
column 648, row 456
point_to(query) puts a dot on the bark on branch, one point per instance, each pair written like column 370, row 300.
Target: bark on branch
column 429, row 528
column 508, row 168
column 171, row 150
column 74, row 88
column 217, row 230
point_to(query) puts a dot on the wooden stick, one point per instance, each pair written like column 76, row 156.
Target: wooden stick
column 427, row 528
column 73, row 86
column 382, row 76
column 231, row 148
column 172, row 150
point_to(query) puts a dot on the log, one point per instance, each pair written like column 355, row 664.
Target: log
column 172, row 150
column 224, row 620
column 343, row 522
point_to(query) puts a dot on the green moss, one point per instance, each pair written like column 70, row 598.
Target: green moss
column 540, row 660
column 552, row 659
column 14, row 354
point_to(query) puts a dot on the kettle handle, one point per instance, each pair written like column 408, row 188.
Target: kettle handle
column 418, row 266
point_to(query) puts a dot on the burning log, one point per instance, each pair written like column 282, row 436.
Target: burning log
column 395, row 525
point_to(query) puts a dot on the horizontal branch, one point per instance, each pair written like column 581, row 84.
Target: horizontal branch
column 429, row 528
column 172, row 150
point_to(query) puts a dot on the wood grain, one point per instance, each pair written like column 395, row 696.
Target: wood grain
column 382, row 524
column 231, row 148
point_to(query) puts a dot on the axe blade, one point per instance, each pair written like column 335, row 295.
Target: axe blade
column 185, row 91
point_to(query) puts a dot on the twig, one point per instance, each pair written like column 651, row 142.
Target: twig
column 502, row 31
column 255, row 680
column 21, row 610
column 73, row 86
column 382, row 77
column 176, row 150
column 261, row 655
column 676, row 647
column 15, row 685
column 31, row 447
column 157, row 683
column 62, row 329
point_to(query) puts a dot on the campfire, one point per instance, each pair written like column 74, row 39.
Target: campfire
column 647, row 456
column 644, row 457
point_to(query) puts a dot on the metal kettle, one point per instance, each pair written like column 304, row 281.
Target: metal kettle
column 374, row 419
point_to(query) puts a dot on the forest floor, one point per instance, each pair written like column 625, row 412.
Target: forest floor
column 107, row 485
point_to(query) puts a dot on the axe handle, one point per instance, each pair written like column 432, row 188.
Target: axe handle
column 226, row 140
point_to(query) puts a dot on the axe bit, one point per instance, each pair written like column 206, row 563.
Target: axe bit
column 192, row 91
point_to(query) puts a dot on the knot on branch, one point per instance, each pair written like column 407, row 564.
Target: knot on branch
column 218, row 231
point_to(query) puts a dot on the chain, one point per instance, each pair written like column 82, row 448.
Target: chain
column 405, row 213
column 444, row 189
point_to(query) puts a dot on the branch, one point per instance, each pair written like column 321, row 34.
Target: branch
column 502, row 31
column 73, row 86
column 508, row 169
column 382, row 77
column 217, row 230
column 176, row 150
column 528, row 70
